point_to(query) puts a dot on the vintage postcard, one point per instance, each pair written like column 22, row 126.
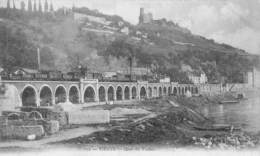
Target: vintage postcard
column 137, row 76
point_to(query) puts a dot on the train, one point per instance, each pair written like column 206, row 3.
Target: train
column 115, row 78
column 42, row 76
column 71, row 76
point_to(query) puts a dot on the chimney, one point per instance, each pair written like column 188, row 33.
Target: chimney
column 39, row 58
column 131, row 67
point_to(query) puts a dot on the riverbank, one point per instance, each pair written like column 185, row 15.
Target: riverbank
column 176, row 122
column 172, row 122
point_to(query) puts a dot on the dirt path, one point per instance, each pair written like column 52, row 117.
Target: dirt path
column 62, row 135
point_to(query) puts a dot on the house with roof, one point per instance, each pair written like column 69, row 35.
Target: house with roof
column 195, row 76
column 252, row 78
column 198, row 77
column 23, row 71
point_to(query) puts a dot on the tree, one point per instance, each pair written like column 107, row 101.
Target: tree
column 30, row 5
column 40, row 6
column 46, row 7
column 34, row 6
column 8, row 4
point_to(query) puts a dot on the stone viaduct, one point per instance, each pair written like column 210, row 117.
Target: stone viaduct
column 48, row 93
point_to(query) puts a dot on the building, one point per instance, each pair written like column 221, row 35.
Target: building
column 1, row 70
column 253, row 78
column 109, row 74
column 139, row 71
column 165, row 80
column 197, row 78
column 125, row 30
column 145, row 17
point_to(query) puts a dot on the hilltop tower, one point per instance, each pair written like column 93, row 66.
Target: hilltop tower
column 40, row 6
column 34, row 6
column 46, row 6
column 30, row 5
column 141, row 16
column 145, row 17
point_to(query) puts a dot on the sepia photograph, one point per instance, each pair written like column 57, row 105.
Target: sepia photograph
column 130, row 77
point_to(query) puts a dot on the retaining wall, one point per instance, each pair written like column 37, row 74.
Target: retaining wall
column 21, row 132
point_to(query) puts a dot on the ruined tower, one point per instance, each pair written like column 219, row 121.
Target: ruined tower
column 46, row 7
column 145, row 17
column 30, row 5
column 141, row 16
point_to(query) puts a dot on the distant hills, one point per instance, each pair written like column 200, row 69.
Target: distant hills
column 102, row 42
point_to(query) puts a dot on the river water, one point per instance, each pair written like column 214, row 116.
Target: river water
column 245, row 114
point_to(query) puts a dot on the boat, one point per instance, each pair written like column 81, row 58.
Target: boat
column 229, row 102
column 218, row 127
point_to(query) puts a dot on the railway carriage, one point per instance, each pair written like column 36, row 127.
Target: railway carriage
column 40, row 76
column 67, row 77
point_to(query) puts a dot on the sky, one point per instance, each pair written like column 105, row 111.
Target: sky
column 234, row 22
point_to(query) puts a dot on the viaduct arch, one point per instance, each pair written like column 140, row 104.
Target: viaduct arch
column 49, row 93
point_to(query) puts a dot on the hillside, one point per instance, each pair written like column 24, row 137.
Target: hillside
column 101, row 42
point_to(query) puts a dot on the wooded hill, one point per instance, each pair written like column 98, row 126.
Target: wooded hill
column 101, row 42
